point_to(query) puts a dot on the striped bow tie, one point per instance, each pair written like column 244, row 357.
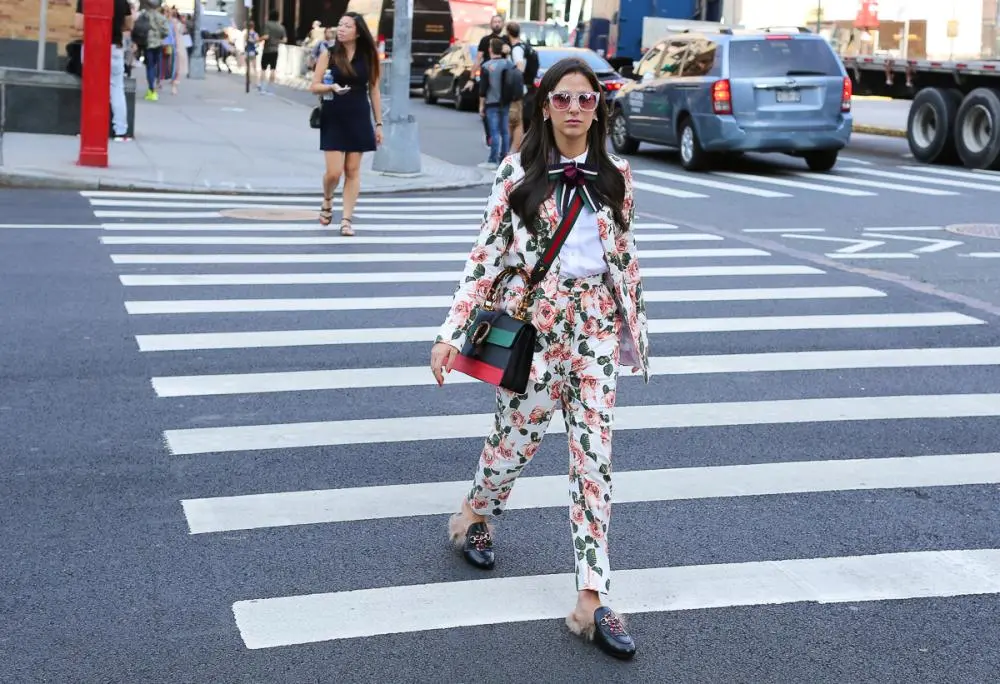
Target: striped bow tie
column 573, row 176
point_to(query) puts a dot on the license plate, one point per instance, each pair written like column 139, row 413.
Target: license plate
column 789, row 96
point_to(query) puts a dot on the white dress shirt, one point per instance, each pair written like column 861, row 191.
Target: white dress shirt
column 582, row 254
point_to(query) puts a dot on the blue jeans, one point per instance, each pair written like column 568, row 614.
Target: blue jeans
column 153, row 56
column 497, row 119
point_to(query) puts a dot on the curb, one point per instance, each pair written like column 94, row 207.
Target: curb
column 19, row 179
column 878, row 130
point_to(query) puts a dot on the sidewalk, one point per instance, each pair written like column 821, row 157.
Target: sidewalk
column 881, row 117
column 212, row 137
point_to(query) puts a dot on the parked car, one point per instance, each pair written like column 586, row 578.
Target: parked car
column 446, row 78
column 710, row 94
column 611, row 80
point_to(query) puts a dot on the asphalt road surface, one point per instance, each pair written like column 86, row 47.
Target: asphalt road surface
column 806, row 491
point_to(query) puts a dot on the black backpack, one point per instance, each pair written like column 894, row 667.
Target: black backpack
column 511, row 85
column 140, row 31
column 530, row 65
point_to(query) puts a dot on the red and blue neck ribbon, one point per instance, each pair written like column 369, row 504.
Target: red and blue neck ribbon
column 573, row 177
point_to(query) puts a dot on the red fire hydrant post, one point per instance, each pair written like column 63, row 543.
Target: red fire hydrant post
column 95, row 99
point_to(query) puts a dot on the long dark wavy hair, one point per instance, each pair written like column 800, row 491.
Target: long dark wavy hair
column 364, row 45
column 538, row 150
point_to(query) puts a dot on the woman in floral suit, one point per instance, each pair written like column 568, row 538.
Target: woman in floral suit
column 590, row 316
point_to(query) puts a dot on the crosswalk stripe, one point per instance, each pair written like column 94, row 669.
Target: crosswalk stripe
column 305, row 338
column 144, row 280
column 975, row 175
column 985, row 255
column 669, row 192
column 878, row 184
column 278, row 199
column 925, row 179
column 288, row 620
column 784, row 182
column 203, row 306
column 420, row 376
column 718, row 185
column 652, row 417
column 325, row 506
column 310, row 226
column 386, row 257
column 478, row 215
column 355, row 240
column 457, row 204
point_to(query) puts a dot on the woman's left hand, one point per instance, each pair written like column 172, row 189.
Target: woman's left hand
column 378, row 135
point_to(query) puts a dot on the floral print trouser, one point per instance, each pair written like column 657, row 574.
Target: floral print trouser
column 576, row 366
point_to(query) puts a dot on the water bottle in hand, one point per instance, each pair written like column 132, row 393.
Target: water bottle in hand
column 328, row 80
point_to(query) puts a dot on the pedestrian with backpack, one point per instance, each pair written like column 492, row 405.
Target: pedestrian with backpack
column 148, row 34
column 495, row 97
column 524, row 58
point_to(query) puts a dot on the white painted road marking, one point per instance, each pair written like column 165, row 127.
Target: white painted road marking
column 305, row 338
column 273, row 622
column 415, row 376
column 356, row 240
column 653, row 417
column 202, row 306
column 708, row 183
column 784, row 182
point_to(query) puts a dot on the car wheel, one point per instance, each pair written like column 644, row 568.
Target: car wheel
column 428, row 95
column 822, row 160
column 930, row 125
column 693, row 155
column 977, row 130
column 620, row 139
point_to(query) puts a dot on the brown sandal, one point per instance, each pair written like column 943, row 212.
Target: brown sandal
column 326, row 212
column 345, row 227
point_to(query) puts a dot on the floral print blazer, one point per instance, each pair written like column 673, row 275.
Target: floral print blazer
column 505, row 241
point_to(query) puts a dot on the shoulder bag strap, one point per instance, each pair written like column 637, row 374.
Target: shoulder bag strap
column 569, row 218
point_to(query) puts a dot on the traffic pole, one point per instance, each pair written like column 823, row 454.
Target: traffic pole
column 400, row 151
column 196, row 65
column 248, row 10
column 95, row 97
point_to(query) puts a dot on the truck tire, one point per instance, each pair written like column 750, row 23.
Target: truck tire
column 930, row 125
column 977, row 129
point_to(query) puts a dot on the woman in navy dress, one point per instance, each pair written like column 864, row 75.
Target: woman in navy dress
column 347, row 80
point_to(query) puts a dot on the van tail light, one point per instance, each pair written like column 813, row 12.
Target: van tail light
column 613, row 85
column 722, row 97
column 777, row 37
column 846, row 94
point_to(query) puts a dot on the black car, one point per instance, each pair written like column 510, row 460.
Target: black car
column 447, row 78
column 611, row 80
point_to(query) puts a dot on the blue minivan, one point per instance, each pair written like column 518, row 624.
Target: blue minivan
column 713, row 94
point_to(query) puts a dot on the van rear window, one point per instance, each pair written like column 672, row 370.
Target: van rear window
column 766, row 58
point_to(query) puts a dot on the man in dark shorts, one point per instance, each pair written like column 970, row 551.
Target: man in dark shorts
column 273, row 35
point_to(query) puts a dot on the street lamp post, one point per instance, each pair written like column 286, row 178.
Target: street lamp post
column 400, row 150
column 196, row 70
column 819, row 15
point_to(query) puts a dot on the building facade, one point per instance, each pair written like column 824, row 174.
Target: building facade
column 19, row 20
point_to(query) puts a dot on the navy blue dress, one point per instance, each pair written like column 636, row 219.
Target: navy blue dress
column 346, row 120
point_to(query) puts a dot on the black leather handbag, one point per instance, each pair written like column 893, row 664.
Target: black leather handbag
column 314, row 117
column 499, row 347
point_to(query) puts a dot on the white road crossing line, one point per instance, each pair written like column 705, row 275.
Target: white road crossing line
column 419, row 376
column 878, row 184
column 326, row 506
column 784, row 230
column 670, row 192
column 872, row 255
column 784, row 182
column 356, row 240
column 49, row 226
column 975, row 175
column 427, row 198
column 456, row 204
column 386, row 257
column 143, row 280
column 311, row 618
column 931, row 244
column 926, row 179
column 654, row 417
column 903, row 229
column 216, row 214
column 984, row 255
column 854, row 160
column 306, row 338
column 204, row 306
column 705, row 182
column 268, row 227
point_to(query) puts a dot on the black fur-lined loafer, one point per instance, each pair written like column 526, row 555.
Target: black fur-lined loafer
column 611, row 635
column 478, row 547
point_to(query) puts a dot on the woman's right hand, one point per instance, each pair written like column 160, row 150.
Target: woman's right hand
column 442, row 356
